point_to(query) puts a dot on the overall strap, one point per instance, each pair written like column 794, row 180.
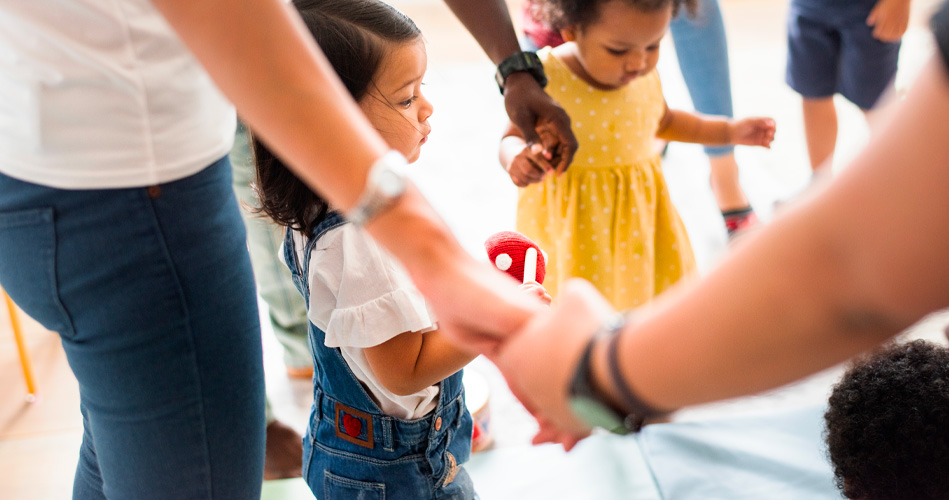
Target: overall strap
column 300, row 269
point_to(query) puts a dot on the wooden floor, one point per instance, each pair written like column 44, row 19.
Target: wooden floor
column 458, row 172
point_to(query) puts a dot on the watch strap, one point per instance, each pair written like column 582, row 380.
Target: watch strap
column 375, row 200
column 521, row 61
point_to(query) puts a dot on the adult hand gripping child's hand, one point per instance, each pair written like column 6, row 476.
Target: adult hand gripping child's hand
column 889, row 19
column 754, row 131
column 529, row 166
column 539, row 360
column 537, row 290
column 532, row 110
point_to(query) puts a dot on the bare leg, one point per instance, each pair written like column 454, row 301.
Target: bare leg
column 724, row 181
column 820, row 130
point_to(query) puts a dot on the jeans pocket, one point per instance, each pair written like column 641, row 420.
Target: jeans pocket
column 342, row 488
column 28, row 266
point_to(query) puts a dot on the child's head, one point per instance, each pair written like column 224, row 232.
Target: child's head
column 379, row 55
column 888, row 425
column 616, row 40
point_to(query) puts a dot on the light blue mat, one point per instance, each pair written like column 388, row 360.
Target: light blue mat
column 777, row 456
column 601, row 467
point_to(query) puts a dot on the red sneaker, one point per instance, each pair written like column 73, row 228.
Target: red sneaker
column 739, row 220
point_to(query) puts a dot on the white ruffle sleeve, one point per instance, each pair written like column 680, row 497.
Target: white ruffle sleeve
column 360, row 295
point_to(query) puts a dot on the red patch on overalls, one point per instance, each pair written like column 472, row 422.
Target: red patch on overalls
column 354, row 426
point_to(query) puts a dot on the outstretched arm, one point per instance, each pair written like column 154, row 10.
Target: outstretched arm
column 683, row 126
column 833, row 276
column 528, row 106
column 263, row 59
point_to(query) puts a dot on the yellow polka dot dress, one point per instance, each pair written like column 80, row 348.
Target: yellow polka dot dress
column 608, row 218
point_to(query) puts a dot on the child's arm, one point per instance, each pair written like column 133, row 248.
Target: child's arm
column 682, row 126
column 524, row 165
column 889, row 19
column 412, row 361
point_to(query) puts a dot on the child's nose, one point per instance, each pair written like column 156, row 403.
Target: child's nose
column 425, row 110
column 635, row 62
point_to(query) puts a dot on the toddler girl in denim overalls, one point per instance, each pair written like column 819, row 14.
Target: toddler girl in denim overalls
column 388, row 417
column 352, row 446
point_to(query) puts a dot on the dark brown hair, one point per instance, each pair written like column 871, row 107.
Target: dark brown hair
column 561, row 14
column 354, row 35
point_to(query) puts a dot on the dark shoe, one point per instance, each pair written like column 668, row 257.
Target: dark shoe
column 283, row 457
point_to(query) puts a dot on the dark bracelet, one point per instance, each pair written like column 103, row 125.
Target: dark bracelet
column 521, row 61
column 638, row 410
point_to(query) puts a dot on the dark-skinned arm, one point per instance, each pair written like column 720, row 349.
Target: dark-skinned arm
column 527, row 105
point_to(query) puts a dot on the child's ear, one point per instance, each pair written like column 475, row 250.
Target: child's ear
column 569, row 34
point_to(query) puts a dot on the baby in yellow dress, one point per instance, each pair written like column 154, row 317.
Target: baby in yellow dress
column 609, row 218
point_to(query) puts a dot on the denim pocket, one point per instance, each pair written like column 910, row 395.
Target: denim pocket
column 28, row 266
column 342, row 488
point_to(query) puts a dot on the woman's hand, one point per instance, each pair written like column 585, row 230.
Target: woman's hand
column 539, row 360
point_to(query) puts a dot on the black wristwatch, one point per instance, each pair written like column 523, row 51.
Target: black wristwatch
column 586, row 402
column 521, row 61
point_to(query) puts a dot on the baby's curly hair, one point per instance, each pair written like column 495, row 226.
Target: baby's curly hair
column 888, row 425
column 560, row 14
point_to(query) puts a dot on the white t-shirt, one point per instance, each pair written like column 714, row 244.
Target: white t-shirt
column 103, row 94
column 361, row 297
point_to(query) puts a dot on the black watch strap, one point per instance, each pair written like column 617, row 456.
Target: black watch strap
column 521, row 61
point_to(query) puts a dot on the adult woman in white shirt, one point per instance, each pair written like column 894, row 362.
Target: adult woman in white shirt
column 118, row 228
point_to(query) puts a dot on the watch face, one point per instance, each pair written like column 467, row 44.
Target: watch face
column 597, row 414
column 391, row 183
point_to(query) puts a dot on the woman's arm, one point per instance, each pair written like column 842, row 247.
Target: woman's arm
column 263, row 59
column 412, row 361
column 833, row 276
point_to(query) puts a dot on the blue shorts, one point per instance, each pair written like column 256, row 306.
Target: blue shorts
column 837, row 54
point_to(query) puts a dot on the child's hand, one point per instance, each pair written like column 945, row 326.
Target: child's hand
column 536, row 289
column 529, row 166
column 753, row 131
column 889, row 19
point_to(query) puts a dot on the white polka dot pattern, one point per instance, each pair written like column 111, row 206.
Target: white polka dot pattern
column 609, row 218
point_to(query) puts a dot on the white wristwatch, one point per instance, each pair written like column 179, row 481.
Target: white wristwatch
column 385, row 184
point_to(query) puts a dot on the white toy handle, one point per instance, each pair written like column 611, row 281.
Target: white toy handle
column 530, row 265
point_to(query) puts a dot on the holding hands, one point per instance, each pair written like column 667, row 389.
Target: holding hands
column 541, row 121
column 540, row 360
column 529, row 165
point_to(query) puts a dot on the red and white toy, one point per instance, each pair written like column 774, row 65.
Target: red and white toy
column 518, row 256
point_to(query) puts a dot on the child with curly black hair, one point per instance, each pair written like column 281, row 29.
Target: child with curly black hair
column 609, row 218
column 888, row 425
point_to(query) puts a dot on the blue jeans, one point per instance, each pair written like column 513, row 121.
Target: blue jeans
column 152, row 294
column 703, row 58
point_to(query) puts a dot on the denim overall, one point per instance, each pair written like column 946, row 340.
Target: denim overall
column 355, row 451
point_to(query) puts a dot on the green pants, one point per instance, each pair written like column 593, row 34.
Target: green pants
column 286, row 306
